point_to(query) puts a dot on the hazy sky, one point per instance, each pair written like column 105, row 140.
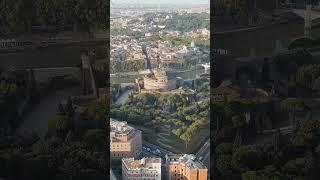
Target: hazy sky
column 162, row 1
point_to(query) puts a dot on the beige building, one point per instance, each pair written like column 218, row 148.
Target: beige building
column 125, row 141
column 185, row 167
column 144, row 169
column 159, row 81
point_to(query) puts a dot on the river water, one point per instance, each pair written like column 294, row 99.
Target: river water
column 64, row 56
column 262, row 42
column 187, row 75
column 36, row 120
column 259, row 42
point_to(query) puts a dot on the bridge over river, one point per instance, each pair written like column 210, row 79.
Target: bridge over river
column 43, row 75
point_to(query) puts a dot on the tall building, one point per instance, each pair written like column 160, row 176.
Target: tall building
column 146, row 168
column 185, row 167
column 125, row 141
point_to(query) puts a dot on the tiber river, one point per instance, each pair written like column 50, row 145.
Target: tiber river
column 259, row 42
column 262, row 42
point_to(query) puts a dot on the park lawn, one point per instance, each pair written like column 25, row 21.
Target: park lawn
column 193, row 146
column 199, row 140
column 150, row 136
column 178, row 145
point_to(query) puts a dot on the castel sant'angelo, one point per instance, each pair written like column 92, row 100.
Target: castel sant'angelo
column 159, row 80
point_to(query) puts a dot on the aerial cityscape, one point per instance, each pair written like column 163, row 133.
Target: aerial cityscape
column 160, row 90
column 159, row 64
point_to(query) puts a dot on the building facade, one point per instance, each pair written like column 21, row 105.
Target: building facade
column 185, row 167
column 125, row 141
column 159, row 81
column 144, row 169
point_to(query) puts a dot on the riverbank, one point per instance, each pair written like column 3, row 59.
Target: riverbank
column 36, row 118
column 251, row 28
column 135, row 73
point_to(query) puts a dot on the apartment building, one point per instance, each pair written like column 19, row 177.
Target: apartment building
column 185, row 167
column 144, row 169
column 125, row 141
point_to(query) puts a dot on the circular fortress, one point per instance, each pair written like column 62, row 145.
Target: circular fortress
column 159, row 81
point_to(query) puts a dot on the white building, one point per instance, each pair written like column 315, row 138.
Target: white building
column 146, row 168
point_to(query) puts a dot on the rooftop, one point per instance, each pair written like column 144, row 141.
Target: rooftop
column 144, row 163
column 188, row 159
column 120, row 127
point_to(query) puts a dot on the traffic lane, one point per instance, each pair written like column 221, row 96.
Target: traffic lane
column 204, row 151
column 155, row 147
column 149, row 152
column 203, row 148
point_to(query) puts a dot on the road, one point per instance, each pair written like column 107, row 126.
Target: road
column 204, row 152
column 150, row 150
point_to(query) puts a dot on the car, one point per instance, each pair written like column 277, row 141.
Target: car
column 158, row 151
column 144, row 148
column 148, row 149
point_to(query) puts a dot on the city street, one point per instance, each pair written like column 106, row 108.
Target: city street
column 150, row 150
column 204, row 154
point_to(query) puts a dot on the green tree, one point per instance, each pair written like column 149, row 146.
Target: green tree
column 186, row 137
column 219, row 115
column 224, row 165
column 177, row 132
column 300, row 167
column 57, row 123
column 224, row 148
column 237, row 141
column 277, row 140
column 292, row 106
column 11, row 16
column 251, row 157
column 95, row 138
column 307, row 135
column 316, row 85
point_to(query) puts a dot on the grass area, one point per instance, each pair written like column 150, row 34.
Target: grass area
column 178, row 145
column 197, row 141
